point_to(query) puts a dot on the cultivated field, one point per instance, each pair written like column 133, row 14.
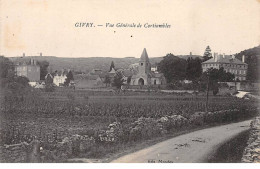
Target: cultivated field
column 107, row 121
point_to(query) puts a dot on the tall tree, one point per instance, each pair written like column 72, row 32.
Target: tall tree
column 213, row 76
column 107, row 80
column 194, row 69
column 48, row 79
column 43, row 69
column 69, row 78
column 112, row 66
column 173, row 68
column 118, row 80
column 207, row 54
column 49, row 86
column 6, row 71
column 6, row 66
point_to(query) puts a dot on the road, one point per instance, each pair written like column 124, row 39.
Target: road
column 194, row 147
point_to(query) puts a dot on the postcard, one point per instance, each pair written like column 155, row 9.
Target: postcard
column 109, row 81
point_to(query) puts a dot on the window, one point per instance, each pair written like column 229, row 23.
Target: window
column 154, row 82
column 141, row 64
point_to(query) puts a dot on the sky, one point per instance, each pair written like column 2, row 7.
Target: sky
column 48, row 27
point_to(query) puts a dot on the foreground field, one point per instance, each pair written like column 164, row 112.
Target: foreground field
column 96, row 124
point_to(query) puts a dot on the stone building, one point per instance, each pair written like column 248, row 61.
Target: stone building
column 229, row 63
column 29, row 69
column 144, row 75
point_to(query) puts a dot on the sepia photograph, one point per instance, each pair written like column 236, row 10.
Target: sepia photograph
column 109, row 81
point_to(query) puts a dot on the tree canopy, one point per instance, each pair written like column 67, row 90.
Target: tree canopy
column 213, row 76
column 194, row 68
column 173, row 68
column 207, row 54
column 112, row 66
column 43, row 69
column 6, row 67
column 107, row 80
column 118, row 80
column 69, row 78
column 252, row 57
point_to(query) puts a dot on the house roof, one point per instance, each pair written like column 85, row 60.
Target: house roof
column 48, row 74
column 62, row 72
column 128, row 73
column 25, row 61
column 93, row 77
column 86, row 77
column 227, row 59
column 144, row 56
column 112, row 70
column 157, row 75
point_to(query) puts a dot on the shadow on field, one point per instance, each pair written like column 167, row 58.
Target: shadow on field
column 231, row 151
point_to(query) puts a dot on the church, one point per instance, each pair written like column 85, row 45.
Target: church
column 144, row 75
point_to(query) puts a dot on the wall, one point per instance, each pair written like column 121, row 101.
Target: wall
column 15, row 153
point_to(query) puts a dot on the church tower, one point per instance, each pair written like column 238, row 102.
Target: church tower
column 144, row 64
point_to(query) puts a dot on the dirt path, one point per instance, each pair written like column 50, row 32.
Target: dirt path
column 192, row 147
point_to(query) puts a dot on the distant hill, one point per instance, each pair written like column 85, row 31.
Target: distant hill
column 87, row 64
column 252, row 58
column 187, row 56
column 252, row 52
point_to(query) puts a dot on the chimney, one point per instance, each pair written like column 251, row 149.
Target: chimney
column 190, row 53
column 233, row 56
column 40, row 54
column 23, row 54
column 243, row 58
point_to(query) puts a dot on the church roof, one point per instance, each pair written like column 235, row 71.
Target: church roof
column 144, row 56
column 112, row 70
column 157, row 75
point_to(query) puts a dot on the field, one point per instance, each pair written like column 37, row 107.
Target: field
column 111, row 120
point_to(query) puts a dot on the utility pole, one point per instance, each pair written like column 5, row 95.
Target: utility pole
column 207, row 100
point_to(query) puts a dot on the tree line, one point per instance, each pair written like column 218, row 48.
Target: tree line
column 176, row 70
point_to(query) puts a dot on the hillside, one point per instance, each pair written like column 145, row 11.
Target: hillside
column 87, row 64
column 252, row 58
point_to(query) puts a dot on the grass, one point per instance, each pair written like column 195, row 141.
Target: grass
column 230, row 151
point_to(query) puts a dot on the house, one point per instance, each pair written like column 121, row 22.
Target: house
column 82, row 81
column 95, row 72
column 29, row 69
column 126, row 74
column 49, row 78
column 145, row 76
column 60, row 77
column 230, row 64
column 134, row 66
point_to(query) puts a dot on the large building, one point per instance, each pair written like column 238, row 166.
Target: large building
column 145, row 76
column 229, row 63
column 29, row 69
